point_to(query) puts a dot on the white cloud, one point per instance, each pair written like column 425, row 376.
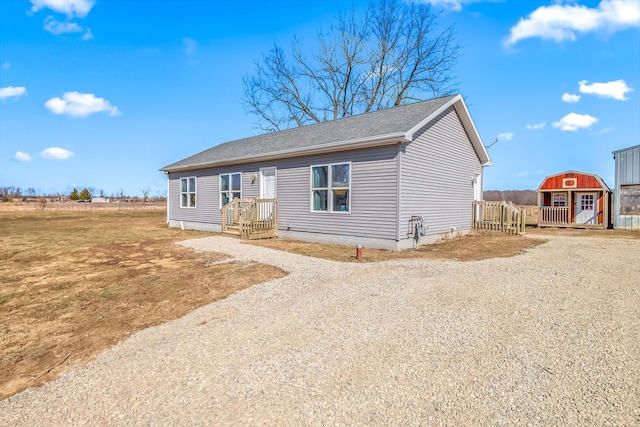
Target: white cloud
column 5, row 65
column 573, row 121
column 9, row 91
column 523, row 173
column 507, row 136
column 190, row 45
column 605, row 130
column 22, row 157
column 88, row 34
column 453, row 4
column 57, row 27
column 615, row 90
column 537, row 126
column 71, row 8
column 77, row 104
column 569, row 97
column 560, row 22
column 56, row 153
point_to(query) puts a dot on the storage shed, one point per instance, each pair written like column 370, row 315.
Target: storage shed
column 574, row 199
column 626, row 213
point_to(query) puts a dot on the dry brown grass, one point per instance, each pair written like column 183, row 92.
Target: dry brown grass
column 73, row 283
column 471, row 247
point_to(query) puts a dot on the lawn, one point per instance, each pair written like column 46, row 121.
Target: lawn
column 471, row 247
column 73, row 283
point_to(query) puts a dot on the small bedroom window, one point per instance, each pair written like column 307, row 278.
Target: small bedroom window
column 230, row 187
column 188, row 192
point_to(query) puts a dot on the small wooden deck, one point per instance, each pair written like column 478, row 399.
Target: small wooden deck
column 560, row 217
column 251, row 218
column 499, row 216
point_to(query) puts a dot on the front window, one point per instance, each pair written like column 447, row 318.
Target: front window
column 559, row 200
column 188, row 192
column 230, row 187
column 330, row 185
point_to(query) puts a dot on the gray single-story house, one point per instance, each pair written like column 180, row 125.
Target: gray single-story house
column 626, row 210
column 378, row 179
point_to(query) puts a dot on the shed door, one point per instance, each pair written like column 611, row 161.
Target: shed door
column 586, row 208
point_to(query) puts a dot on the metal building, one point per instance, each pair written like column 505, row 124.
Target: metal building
column 627, row 192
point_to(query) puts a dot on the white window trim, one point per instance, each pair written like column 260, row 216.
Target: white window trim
column 195, row 192
column 329, row 195
column 230, row 191
column 566, row 200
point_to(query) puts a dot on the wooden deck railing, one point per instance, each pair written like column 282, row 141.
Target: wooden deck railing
column 554, row 215
column 500, row 216
column 254, row 218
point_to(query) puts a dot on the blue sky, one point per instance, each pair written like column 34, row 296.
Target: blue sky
column 104, row 93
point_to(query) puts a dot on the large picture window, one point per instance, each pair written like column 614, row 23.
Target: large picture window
column 330, row 188
column 230, row 187
column 188, row 192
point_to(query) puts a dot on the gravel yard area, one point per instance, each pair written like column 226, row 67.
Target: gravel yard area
column 549, row 337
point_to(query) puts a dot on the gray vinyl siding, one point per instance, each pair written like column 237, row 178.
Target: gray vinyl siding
column 373, row 193
column 207, row 210
column 436, row 171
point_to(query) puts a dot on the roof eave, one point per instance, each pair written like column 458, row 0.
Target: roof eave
column 378, row 140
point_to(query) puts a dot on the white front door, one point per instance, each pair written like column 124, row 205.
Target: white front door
column 267, row 191
column 268, row 183
column 586, row 208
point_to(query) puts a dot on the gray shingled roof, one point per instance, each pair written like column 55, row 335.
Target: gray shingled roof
column 364, row 126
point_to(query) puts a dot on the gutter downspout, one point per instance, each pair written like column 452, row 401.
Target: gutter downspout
column 167, row 201
column 398, row 190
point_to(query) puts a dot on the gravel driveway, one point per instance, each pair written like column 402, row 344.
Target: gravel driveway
column 550, row 337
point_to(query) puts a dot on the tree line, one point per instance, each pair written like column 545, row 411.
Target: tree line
column 10, row 193
column 518, row 197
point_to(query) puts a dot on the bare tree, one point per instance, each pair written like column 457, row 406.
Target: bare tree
column 145, row 193
column 392, row 55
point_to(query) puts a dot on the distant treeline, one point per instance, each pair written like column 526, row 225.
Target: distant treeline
column 11, row 193
column 518, row 197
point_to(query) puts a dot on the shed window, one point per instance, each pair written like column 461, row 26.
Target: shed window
column 230, row 187
column 188, row 192
column 559, row 200
column 330, row 188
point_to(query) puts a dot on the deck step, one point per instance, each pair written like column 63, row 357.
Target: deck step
column 233, row 230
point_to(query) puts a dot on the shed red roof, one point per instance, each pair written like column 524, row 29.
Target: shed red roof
column 573, row 180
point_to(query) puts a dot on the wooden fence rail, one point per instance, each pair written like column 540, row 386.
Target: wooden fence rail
column 554, row 215
column 499, row 216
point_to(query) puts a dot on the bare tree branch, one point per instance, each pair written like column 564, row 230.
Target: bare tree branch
column 393, row 54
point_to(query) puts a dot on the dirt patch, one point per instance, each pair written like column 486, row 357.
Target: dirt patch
column 471, row 247
column 73, row 283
